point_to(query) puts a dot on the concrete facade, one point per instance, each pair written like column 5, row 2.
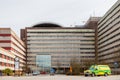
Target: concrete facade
column 62, row 44
column 12, row 43
column 109, row 37
column 6, row 59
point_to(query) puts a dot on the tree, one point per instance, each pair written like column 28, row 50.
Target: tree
column 79, row 65
column 86, row 63
column 75, row 65
column 28, row 70
column 7, row 71
column 58, row 66
column 24, row 69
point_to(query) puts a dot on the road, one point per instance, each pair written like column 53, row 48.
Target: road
column 60, row 77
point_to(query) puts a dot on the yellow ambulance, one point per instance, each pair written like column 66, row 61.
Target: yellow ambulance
column 98, row 70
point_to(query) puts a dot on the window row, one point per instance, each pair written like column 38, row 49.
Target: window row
column 110, row 28
column 110, row 43
column 109, row 15
column 6, row 64
column 6, row 57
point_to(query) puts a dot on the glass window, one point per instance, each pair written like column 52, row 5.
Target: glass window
column 43, row 62
column 0, row 55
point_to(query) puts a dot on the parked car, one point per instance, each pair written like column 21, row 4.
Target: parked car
column 35, row 73
column 43, row 72
column 98, row 70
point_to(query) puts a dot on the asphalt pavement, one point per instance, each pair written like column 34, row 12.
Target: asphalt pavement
column 60, row 77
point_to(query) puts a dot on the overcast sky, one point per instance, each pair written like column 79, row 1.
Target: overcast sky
column 18, row 14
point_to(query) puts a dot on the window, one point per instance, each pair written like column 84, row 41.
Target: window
column 5, row 56
column 0, row 55
column 5, row 64
column 43, row 62
column 0, row 63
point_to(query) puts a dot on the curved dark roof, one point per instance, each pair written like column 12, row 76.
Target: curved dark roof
column 47, row 25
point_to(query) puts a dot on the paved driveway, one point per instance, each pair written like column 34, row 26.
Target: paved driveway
column 61, row 77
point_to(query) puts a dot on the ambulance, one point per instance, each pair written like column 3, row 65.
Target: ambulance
column 98, row 70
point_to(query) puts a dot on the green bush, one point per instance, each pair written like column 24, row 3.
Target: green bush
column 7, row 72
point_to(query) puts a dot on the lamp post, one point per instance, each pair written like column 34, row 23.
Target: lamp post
column 116, row 65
